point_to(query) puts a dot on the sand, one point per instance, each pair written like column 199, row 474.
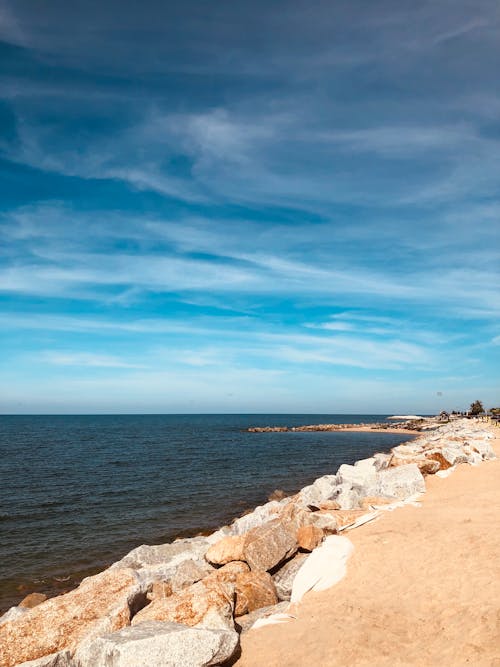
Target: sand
column 422, row 588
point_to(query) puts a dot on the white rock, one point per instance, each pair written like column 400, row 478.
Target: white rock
column 157, row 644
column 159, row 562
column 359, row 477
column 400, row 482
column 13, row 614
column 324, row 567
column 259, row 516
column 347, row 497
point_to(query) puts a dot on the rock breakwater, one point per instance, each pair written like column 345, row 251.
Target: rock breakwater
column 183, row 603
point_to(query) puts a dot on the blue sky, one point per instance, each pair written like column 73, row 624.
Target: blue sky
column 249, row 207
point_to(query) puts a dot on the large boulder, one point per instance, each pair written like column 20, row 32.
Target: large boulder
column 102, row 603
column 159, row 562
column 283, row 578
column 156, row 644
column 208, row 603
column 346, row 497
column 268, row 545
column 254, row 590
column 188, row 573
column 260, row 515
column 362, row 478
column 401, row 482
column 308, row 537
column 226, row 550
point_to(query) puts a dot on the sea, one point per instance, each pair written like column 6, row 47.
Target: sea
column 78, row 492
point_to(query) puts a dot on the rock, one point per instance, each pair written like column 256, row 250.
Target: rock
column 308, row 537
column 283, row 578
column 32, row 600
column 61, row 659
column 258, row 517
column 245, row 622
column 189, row 572
column 156, row 644
column 254, row 590
column 346, row 497
column 330, row 505
column 401, row 482
column 382, row 461
column 230, row 571
column 226, row 550
column 100, row 604
column 367, row 464
column 269, row 544
column 13, row 614
column 324, row 567
column 426, row 465
column 439, row 458
column 160, row 589
column 362, row 477
column 208, row 603
column 159, row 562
column 325, row 519
column 314, row 494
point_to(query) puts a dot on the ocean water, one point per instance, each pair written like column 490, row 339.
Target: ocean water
column 78, row 492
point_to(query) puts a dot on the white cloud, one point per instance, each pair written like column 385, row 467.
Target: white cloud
column 84, row 359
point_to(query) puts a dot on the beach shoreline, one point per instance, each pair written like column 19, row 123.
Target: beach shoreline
column 401, row 559
column 421, row 588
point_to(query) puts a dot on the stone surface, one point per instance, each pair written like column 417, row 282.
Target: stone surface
column 330, row 505
column 159, row 562
column 245, row 622
column 269, row 544
column 226, row 550
column 61, row 659
column 359, row 477
column 401, row 482
column 308, row 537
column 156, row 644
column 346, row 497
column 160, row 589
column 188, row 573
column 253, row 591
column 283, row 578
column 100, row 604
column 208, row 603
column 325, row 519
column 13, row 614
column 32, row 600
column 230, row 571
column 426, row 465
column 261, row 515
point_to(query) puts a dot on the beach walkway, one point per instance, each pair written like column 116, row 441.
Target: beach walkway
column 422, row 588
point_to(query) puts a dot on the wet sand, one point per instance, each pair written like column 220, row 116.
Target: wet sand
column 422, row 588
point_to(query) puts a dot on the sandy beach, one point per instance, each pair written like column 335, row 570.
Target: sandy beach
column 422, row 588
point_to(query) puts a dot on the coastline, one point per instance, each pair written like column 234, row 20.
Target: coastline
column 421, row 588
column 310, row 509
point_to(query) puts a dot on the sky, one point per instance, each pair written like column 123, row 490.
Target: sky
column 240, row 206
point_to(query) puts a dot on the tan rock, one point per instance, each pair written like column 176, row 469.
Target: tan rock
column 230, row 571
column 208, row 603
column 437, row 456
column 269, row 544
column 100, row 604
column 226, row 550
column 308, row 537
column 188, row 573
column 160, row 589
column 32, row 600
column 329, row 505
column 254, row 590
column 426, row 465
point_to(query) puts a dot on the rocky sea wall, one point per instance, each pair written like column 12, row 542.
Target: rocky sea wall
column 185, row 603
